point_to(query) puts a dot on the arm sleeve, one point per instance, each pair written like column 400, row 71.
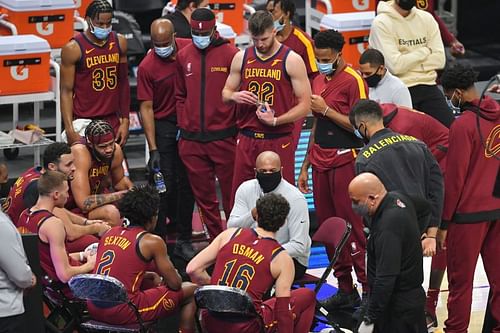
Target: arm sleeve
column 446, row 35
column 423, row 210
column 124, row 87
column 382, row 39
column 30, row 195
column 436, row 190
column 457, row 167
column 298, row 229
column 388, row 249
column 12, row 257
column 241, row 214
column 283, row 315
column 180, row 89
column 144, row 85
column 437, row 59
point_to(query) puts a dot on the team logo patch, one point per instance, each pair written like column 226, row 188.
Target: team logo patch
column 276, row 61
column 168, row 304
column 493, row 143
column 400, row 203
column 422, row 4
column 111, row 44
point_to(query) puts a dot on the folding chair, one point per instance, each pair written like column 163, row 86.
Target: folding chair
column 226, row 302
column 333, row 232
column 106, row 291
column 65, row 313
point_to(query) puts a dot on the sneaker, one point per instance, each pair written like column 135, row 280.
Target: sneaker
column 342, row 300
column 184, row 249
column 360, row 311
column 432, row 322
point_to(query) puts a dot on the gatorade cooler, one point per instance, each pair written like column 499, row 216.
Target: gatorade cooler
column 352, row 6
column 355, row 27
column 49, row 19
column 81, row 6
column 24, row 64
column 226, row 31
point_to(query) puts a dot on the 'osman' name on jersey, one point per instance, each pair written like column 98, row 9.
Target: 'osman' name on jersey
column 372, row 149
column 119, row 241
column 263, row 72
column 102, row 59
column 248, row 252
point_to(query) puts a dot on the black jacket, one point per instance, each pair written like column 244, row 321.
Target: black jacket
column 404, row 164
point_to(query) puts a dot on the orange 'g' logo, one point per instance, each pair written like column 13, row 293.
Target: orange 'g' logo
column 422, row 4
column 493, row 142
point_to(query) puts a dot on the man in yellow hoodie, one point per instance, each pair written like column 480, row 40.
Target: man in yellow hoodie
column 410, row 41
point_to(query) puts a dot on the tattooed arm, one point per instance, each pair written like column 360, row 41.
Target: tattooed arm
column 98, row 200
column 80, row 185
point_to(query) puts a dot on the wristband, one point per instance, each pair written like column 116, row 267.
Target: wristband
column 81, row 257
column 326, row 111
column 431, row 237
column 274, row 121
column 85, row 222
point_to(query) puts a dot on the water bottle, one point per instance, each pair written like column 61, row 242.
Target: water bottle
column 159, row 181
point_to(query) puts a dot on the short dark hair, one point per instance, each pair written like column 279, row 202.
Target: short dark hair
column 183, row 4
column 140, row 204
column 458, row 76
column 365, row 109
column 373, row 57
column 329, row 39
column 202, row 14
column 53, row 153
column 287, row 6
column 272, row 210
column 260, row 22
column 97, row 7
column 49, row 181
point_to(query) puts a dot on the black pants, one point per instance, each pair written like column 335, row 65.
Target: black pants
column 12, row 324
column 300, row 269
column 177, row 203
column 430, row 100
column 404, row 313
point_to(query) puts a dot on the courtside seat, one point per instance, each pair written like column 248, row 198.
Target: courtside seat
column 226, row 302
column 105, row 291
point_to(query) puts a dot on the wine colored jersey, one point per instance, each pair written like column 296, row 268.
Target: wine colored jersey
column 118, row 255
column 96, row 92
column 333, row 144
column 14, row 204
column 420, row 125
column 269, row 80
column 30, row 222
column 156, row 81
column 99, row 179
column 245, row 263
column 302, row 44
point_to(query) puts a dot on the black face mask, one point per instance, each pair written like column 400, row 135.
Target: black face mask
column 373, row 80
column 406, row 4
column 268, row 181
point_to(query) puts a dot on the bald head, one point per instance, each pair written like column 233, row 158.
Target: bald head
column 161, row 26
column 268, row 159
column 162, row 32
column 367, row 189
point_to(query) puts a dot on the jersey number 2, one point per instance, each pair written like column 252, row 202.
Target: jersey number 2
column 107, row 259
column 241, row 280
